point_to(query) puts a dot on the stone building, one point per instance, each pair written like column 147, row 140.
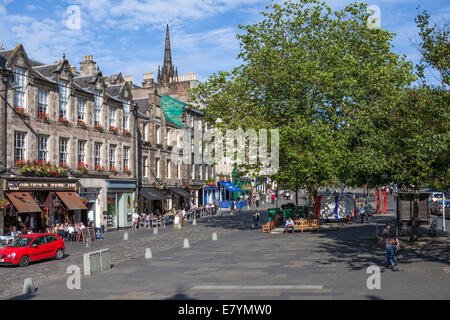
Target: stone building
column 65, row 135
column 166, row 139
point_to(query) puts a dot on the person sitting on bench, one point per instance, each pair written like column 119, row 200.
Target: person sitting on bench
column 289, row 225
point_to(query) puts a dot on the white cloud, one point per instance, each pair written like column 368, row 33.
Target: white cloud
column 135, row 14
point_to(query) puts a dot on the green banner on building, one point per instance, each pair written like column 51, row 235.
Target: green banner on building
column 173, row 109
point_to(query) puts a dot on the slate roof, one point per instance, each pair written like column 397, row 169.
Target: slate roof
column 113, row 90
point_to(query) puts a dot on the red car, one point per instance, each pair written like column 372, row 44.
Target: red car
column 33, row 247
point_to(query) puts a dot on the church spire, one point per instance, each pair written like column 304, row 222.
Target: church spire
column 167, row 51
column 167, row 70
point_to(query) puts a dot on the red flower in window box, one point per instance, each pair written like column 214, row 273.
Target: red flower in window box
column 64, row 120
column 113, row 129
column 126, row 132
column 64, row 165
column 97, row 126
column 127, row 170
column 82, row 124
column 83, row 167
column 43, row 116
column 20, row 111
column 113, row 169
column 99, row 168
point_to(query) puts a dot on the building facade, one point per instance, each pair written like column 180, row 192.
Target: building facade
column 68, row 144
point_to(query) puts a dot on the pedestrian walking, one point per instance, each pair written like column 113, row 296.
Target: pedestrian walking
column 390, row 239
column 362, row 213
column 135, row 217
column 256, row 218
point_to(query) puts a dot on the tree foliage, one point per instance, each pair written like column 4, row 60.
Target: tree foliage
column 319, row 76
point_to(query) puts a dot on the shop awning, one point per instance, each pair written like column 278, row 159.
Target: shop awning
column 23, row 202
column 181, row 192
column 152, row 194
column 210, row 188
column 71, row 200
column 230, row 186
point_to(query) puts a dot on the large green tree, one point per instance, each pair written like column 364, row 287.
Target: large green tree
column 317, row 75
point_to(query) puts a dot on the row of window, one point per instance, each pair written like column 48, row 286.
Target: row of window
column 20, row 102
column 20, row 151
column 179, row 167
column 169, row 135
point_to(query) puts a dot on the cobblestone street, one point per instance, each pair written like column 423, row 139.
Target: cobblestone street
column 243, row 264
column 121, row 251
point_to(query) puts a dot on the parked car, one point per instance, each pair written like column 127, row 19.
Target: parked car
column 436, row 208
column 435, row 196
column 33, row 247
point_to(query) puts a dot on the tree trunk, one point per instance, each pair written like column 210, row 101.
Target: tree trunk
column 312, row 201
column 296, row 201
column 414, row 235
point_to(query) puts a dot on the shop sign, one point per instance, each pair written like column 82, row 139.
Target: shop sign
column 40, row 186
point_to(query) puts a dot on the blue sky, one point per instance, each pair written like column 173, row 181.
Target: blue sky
column 128, row 35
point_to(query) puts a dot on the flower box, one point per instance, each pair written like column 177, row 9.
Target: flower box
column 40, row 169
column 113, row 169
column 82, row 124
column 113, row 129
column 99, row 168
column 64, row 120
column 97, row 126
column 83, row 167
column 127, row 170
column 43, row 116
column 20, row 111
column 126, row 132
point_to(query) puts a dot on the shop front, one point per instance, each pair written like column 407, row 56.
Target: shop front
column 209, row 195
column 120, row 204
column 181, row 198
column 40, row 203
column 151, row 200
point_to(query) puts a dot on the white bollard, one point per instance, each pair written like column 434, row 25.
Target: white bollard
column 194, row 223
column 214, row 236
column 125, row 236
column 88, row 243
column 186, row 243
column 28, row 286
column 148, row 253
column 155, row 230
column 179, row 225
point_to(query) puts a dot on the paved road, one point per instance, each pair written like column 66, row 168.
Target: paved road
column 245, row 264
column 12, row 277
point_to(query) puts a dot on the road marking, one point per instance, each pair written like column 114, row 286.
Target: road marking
column 268, row 287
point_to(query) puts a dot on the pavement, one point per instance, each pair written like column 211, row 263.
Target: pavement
column 242, row 264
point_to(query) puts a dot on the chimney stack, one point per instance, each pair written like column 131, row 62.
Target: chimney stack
column 128, row 79
column 87, row 66
column 149, row 79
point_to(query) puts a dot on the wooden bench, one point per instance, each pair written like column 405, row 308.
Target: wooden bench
column 272, row 224
column 306, row 225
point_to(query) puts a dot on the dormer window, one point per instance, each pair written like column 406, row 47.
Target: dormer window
column 63, row 99
column 20, row 88
column 97, row 106
column 126, row 111
column 112, row 117
column 81, row 109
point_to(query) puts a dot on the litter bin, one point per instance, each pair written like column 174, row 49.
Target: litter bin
column 272, row 212
column 288, row 212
